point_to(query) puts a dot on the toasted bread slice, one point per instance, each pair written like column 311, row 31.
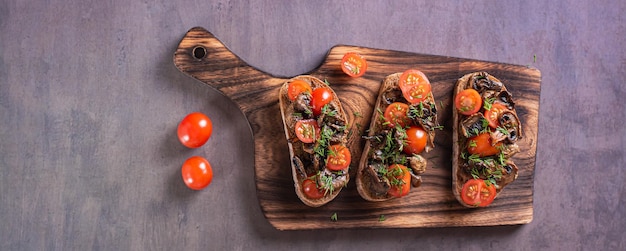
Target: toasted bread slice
column 371, row 185
column 497, row 168
column 304, row 164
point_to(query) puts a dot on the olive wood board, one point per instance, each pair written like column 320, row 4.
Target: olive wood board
column 205, row 58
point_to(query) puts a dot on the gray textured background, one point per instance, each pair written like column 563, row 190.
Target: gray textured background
column 90, row 100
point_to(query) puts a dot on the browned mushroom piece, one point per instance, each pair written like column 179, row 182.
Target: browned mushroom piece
column 299, row 167
column 508, row 150
column 482, row 82
column 509, row 171
column 505, row 98
column 473, row 125
column 417, row 163
column 511, row 123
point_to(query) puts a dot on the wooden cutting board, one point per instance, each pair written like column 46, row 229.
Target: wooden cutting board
column 205, row 58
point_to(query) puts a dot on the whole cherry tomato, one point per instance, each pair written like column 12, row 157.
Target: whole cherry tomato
column 311, row 190
column 197, row 173
column 320, row 97
column 194, row 130
column 416, row 140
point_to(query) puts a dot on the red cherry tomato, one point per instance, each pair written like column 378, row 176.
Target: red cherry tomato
column 320, row 97
column 307, row 130
column 353, row 64
column 395, row 114
column 414, row 85
column 400, row 180
column 481, row 144
column 338, row 158
column 296, row 87
column 194, row 130
column 492, row 114
column 477, row 193
column 468, row 101
column 416, row 140
column 311, row 190
column 197, row 173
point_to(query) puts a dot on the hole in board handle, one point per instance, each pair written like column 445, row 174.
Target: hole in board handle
column 198, row 52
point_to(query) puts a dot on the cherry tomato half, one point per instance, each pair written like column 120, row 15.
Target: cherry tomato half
column 311, row 190
column 477, row 193
column 395, row 114
column 320, row 97
column 307, row 130
column 416, row 140
column 400, row 180
column 482, row 145
column 194, row 130
column 338, row 158
column 414, row 85
column 296, row 87
column 492, row 114
column 197, row 173
column 353, row 64
column 468, row 101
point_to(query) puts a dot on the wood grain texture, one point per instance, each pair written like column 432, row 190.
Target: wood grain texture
column 431, row 205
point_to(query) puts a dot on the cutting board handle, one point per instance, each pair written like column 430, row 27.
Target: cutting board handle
column 204, row 57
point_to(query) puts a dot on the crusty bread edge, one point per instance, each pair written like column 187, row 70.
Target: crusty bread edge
column 283, row 102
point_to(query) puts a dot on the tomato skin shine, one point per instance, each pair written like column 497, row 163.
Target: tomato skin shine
column 320, row 97
column 194, row 130
column 197, row 173
column 416, row 140
column 311, row 190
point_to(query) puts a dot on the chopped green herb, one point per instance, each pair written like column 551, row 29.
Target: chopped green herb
column 472, row 143
column 381, row 218
column 327, row 184
column 326, row 82
column 333, row 217
column 357, row 114
column 488, row 103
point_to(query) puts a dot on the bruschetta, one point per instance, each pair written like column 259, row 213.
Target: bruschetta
column 316, row 132
column 402, row 126
column 486, row 129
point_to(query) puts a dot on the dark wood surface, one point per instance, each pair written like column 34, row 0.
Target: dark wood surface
column 204, row 57
column 90, row 99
